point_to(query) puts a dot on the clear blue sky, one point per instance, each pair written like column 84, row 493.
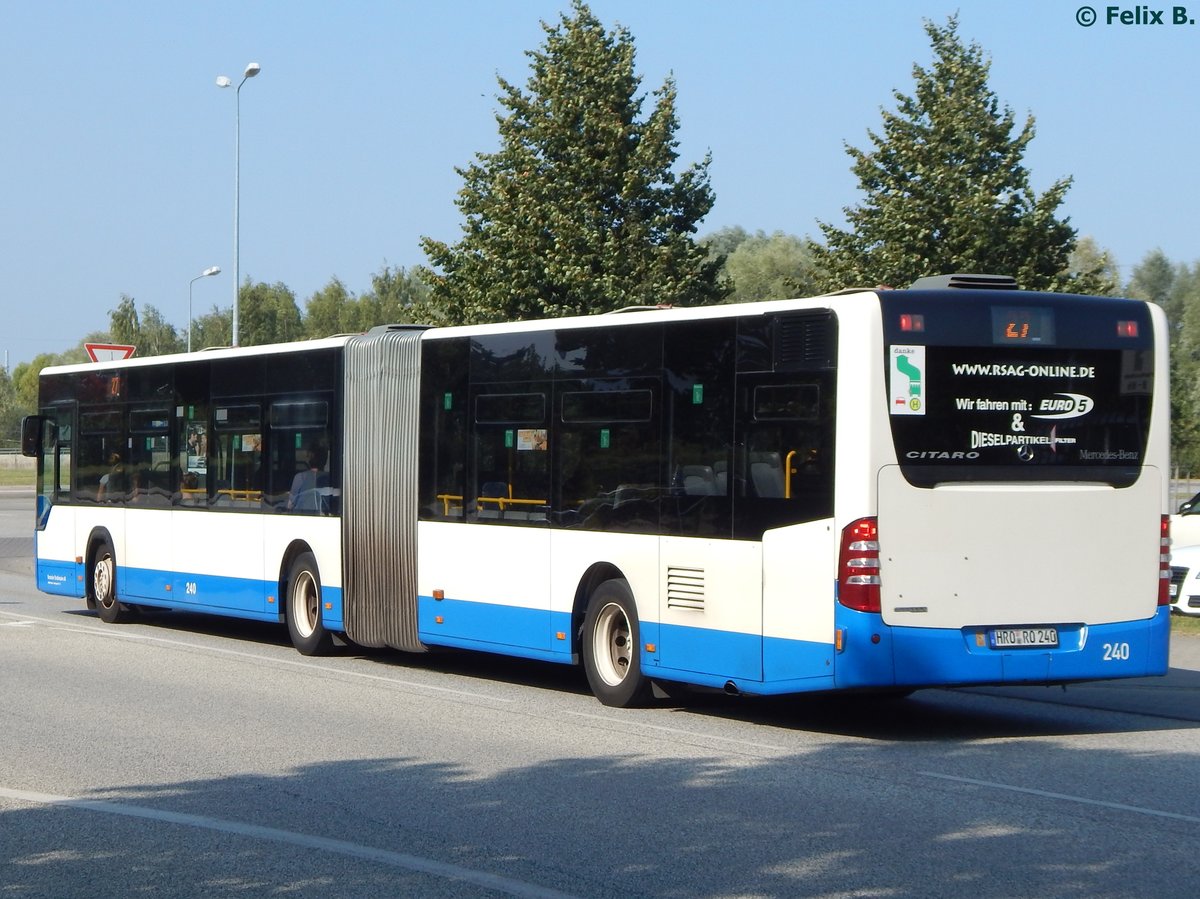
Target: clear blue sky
column 117, row 151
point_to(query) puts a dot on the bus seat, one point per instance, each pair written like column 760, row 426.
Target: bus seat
column 766, row 473
column 698, row 480
column 494, row 489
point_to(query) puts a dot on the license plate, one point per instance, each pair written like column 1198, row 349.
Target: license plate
column 1018, row 637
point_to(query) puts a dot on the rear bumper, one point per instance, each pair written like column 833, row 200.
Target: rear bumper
column 876, row 655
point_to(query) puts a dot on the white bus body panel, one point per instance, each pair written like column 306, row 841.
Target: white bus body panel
column 987, row 554
column 799, row 565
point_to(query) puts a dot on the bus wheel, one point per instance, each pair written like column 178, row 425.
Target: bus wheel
column 611, row 655
column 102, row 590
column 304, row 608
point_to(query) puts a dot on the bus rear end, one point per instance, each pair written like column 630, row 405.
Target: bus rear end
column 1019, row 534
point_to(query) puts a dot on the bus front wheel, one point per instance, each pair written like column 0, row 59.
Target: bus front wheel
column 102, row 585
column 304, row 608
column 611, row 647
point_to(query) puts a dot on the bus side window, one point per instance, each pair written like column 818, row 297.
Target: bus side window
column 512, row 457
column 698, row 398
column 786, row 427
column 100, row 456
column 299, row 472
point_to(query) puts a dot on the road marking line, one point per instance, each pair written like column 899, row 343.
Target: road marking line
column 1117, row 806
column 394, row 859
column 105, row 631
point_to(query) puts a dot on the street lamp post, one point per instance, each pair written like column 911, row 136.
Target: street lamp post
column 208, row 272
column 222, row 81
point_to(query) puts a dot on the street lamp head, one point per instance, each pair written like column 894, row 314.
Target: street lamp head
column 214, row 270
column 223, row 81
column 252, row 70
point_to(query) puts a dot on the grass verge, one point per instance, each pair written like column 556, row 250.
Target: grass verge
column 16, row 477
column 1185, row 624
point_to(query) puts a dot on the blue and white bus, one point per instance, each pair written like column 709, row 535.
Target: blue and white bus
column 874, row 490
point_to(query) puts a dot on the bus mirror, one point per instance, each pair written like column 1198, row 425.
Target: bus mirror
column 32, row 428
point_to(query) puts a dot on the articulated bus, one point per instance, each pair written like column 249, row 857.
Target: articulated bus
column 876, row 490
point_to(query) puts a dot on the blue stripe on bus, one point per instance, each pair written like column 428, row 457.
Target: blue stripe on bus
column 491, row 627
column 914, row 656
column 691, row 655
column 874, row 655
column 60, row 578
column 213, row 594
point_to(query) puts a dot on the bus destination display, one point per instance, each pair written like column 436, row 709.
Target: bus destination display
column 1022, row 325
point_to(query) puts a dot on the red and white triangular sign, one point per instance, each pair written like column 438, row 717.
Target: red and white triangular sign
column 108, row 352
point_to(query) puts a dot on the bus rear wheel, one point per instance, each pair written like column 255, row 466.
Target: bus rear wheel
column 304, row 608
column 102, row 585
column 611, row 647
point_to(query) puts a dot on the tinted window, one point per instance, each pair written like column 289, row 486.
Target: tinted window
column 1036, row 387
column 443, row 455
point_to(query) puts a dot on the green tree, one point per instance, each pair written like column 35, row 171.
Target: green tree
column 946, row 190
column 580, row 209
column 1153, row 279
column 723, row 241
column 267, row 314
column 400, row 295
column 149, row 331
column 1093, row 269
column 214, row 328
column 10, row 411
column 123, row 321
column 397, row 295
column 1183, row 295
column 157, row 337
column 770, row 267
column 331, row 310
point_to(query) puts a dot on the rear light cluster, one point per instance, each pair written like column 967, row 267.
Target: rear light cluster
column 1164, row 562
column 858, row 566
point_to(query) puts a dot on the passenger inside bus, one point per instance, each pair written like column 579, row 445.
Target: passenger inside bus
column 305, row 495
column 113, row 483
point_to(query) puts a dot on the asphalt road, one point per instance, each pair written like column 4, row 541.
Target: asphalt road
column 190, row 756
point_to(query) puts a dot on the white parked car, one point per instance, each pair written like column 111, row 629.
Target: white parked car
column 1185, row 526
column 1185, row 580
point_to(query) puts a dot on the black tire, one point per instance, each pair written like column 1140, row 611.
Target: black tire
column 612, row 654
column 102, row 585
column 304, row 608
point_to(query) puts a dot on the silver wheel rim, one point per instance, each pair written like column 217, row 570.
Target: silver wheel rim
column 612, row 644
column 102, row 581
column 306, row 603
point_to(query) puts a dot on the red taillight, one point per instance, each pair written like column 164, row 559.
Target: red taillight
column 1164, row 562
column 858, row 566
column 1127, row 329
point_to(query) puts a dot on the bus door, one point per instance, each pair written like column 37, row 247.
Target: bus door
column 783, row 503
column 497, row 578
column 220, row 460
column 54, row 537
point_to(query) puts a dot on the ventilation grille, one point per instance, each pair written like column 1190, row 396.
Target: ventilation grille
column 805, row 342
column 964, row 282
column 685, row 588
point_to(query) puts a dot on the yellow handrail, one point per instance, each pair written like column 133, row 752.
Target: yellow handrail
column 500, row 501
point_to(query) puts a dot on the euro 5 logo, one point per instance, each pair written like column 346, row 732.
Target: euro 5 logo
column 1065, row 405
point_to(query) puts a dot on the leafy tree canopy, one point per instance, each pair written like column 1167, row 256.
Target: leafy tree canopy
column 580, row 209
column 946, row 190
